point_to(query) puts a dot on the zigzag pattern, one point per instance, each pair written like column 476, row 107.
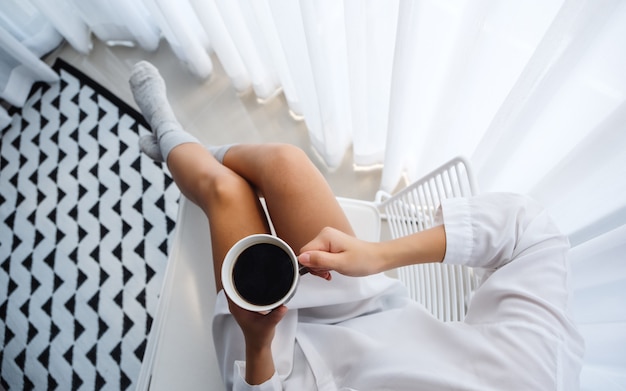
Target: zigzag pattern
column 85, row 225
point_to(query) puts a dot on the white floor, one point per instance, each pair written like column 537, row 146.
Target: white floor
column 213, row 111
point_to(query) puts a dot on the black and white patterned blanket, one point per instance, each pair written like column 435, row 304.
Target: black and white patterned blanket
column 85, row 225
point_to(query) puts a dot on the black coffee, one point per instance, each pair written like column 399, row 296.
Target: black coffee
column 263, row 274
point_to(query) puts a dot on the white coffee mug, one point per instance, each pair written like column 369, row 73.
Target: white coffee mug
column 260, row 272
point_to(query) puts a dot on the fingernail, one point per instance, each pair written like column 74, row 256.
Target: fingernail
column 304, row 258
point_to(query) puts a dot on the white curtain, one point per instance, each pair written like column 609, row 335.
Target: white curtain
column 532, row 92
column 25, row 35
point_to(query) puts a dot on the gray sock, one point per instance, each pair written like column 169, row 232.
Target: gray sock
column 148, row 88
column 219, row 151
column 150, row 146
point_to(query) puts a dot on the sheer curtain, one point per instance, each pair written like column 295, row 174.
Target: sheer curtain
column 25, row 35
column 532, row 92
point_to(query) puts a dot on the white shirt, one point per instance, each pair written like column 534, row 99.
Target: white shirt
column 366, row 334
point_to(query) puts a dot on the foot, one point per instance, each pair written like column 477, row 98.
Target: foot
column 150, row 146
column 148, row 88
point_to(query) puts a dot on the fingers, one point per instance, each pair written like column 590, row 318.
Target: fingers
column 316, row 260
column 258, row 329
column 322, row 241
column 276, row 315
column 325, row 274
column 319, row 243
column 319, row 263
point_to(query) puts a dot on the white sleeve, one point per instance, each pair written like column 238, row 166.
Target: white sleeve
column 240, row 384
column 525, row 256
column 493, row 229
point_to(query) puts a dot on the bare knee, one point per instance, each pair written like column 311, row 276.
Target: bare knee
column 287, row 171
column 287, row 160
column 222, row 189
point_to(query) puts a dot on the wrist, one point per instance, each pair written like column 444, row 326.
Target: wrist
column 259, row 364
column 255, row 351
column 422, row 247
column 389, row 255
column 256, row 344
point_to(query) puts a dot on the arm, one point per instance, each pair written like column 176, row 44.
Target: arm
column 487, row 231
column 522, row 302
column 523, row 254
column 334, row 250
column 258, row 331
column 259, row 364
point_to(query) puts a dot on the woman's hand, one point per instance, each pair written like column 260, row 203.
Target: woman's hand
column 258, row 331
column 335, row 250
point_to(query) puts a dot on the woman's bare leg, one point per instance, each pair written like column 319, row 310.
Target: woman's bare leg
column 297, row 196
column 227, row 199
column 299, row 200
column 230, row 203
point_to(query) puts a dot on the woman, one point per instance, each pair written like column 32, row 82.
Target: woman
column 349, row 327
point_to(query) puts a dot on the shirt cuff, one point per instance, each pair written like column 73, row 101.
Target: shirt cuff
column 455, row 214
column 240, row 384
